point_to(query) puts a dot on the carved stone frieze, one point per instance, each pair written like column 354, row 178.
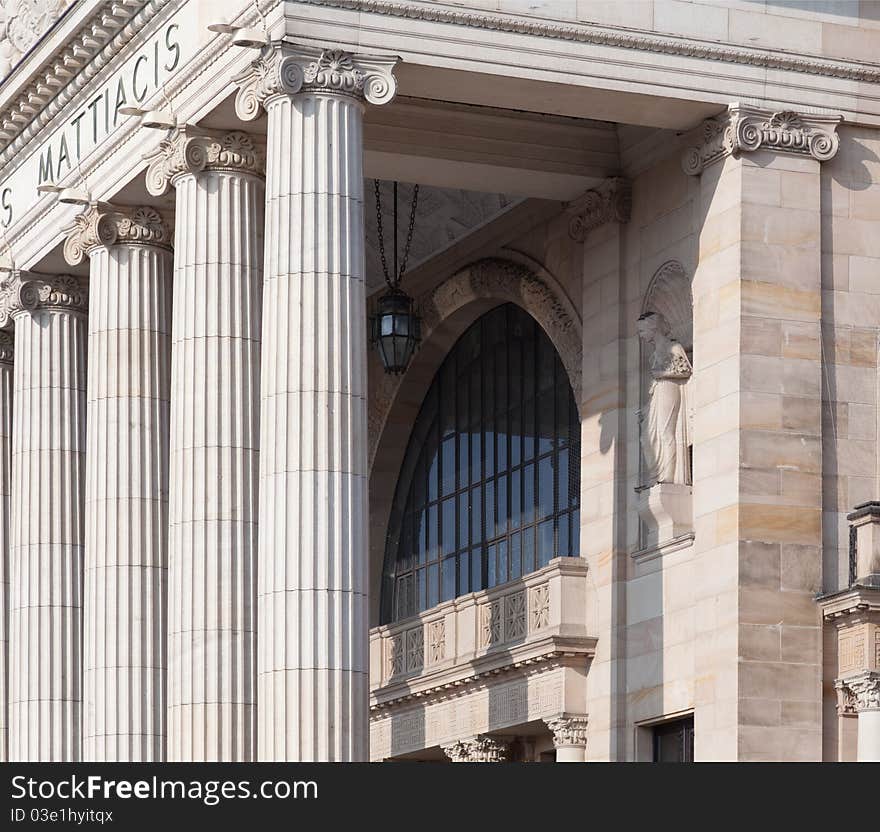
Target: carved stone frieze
column 26, row 292
column 191, row 150
column 489, row 278
column 859, row 693
column 103, row 226
column 745, row 129
column 609, row 202
column 288, row 69
column 479, row 749
column 568, row 730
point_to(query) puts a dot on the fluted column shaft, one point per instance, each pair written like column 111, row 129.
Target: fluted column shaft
column 126, row 482
column 214, row 444
column 312, row 662
column 46, row 538
column 6, row 371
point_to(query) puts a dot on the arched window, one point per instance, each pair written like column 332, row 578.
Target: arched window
column 489, row 489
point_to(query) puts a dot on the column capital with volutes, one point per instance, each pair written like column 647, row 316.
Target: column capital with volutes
column 103, row 225
column 27, row 293
column 191, row 150
column 290, row 69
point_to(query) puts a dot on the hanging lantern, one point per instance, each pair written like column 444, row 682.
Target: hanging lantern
column 395, row 328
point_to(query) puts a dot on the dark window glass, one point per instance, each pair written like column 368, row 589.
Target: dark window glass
column 674, row 741
column 490, row 486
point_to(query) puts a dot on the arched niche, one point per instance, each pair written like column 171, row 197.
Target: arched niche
column 447, row 311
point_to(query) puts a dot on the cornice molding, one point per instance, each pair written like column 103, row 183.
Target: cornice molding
column 609, row 202
column 72, row 66
column 189, row 150
column 26, row 292
column 102, row 226
column 7, row 348
column 615, row 37
column 744, row 129
column 568, row 730
column 287, row 69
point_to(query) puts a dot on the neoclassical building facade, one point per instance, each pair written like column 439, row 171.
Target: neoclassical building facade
column 604, row 487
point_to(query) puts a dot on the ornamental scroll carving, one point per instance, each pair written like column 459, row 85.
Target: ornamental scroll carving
column 492, row 278
column 745, row 129
column 105, row 225
column 609, row 202
column 287, row 69
column 568, row 730
column 7, row 348
column 22, row 23
column 665, row 329
column 858, row 693
column 188, row 150
column 26, row 292
column 479, row 749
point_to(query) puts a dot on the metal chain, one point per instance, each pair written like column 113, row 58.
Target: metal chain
column 394, row 283
column 409, row 233
column 381, row 238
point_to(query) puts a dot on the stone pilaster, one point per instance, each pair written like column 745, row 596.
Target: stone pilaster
column 598, row 221
column 479, row 749
column 312, row 598
column 47, row 531
column 126, row 499
column 6, row 371
column 215, row 371
column 569, row 738
column 758, row 434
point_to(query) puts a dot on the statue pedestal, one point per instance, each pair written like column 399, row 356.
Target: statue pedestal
column 665, row 513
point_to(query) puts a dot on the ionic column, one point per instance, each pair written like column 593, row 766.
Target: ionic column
column 6, row 355
column 569, row 738
column 478, row 749
column 215, row 370
column 312, row 596
column 861, row 693
column 126, row 480
column 47, row 531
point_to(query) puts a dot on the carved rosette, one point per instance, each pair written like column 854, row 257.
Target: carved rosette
column 746, row 129
column 568, row 731
column 858, row 693
column 7, row 348
column 188, row 150
column 287, row 69
column 609, row 202
column 479, row 749
column 25, row 292
column 101, row 226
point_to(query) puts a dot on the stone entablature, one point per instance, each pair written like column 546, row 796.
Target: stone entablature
column 743, row 129
column 482, row 631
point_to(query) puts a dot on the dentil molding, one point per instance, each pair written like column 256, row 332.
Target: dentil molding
column 190, row 150
column 288, row 69
column 479, row 749
column 568, row 731
column 744, row 129
column 609, row 202
column 25, row 292
column 106, row 225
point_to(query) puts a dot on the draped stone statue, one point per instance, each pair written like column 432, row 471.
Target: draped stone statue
column 665, row 420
